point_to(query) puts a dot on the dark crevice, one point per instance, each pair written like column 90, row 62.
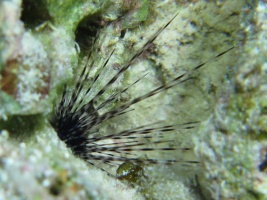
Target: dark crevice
column 86, row 32
column 123, row 32
column 34, row 13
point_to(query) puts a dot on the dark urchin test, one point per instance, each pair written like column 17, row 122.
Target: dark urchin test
column 78, row 115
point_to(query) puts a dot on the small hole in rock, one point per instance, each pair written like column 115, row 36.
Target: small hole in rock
column 34, row 13
column 86, row 32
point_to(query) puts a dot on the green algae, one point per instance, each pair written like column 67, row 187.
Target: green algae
column 130, row 172
column 25, row 126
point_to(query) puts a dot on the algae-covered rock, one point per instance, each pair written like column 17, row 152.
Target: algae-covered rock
column 24, row 66
column 34, row 170
column 44, row 46
column 232, row 142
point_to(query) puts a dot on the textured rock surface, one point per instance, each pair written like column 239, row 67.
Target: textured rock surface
column 233, row 141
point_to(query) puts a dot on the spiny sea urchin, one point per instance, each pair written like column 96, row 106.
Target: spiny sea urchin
column 77, row 117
